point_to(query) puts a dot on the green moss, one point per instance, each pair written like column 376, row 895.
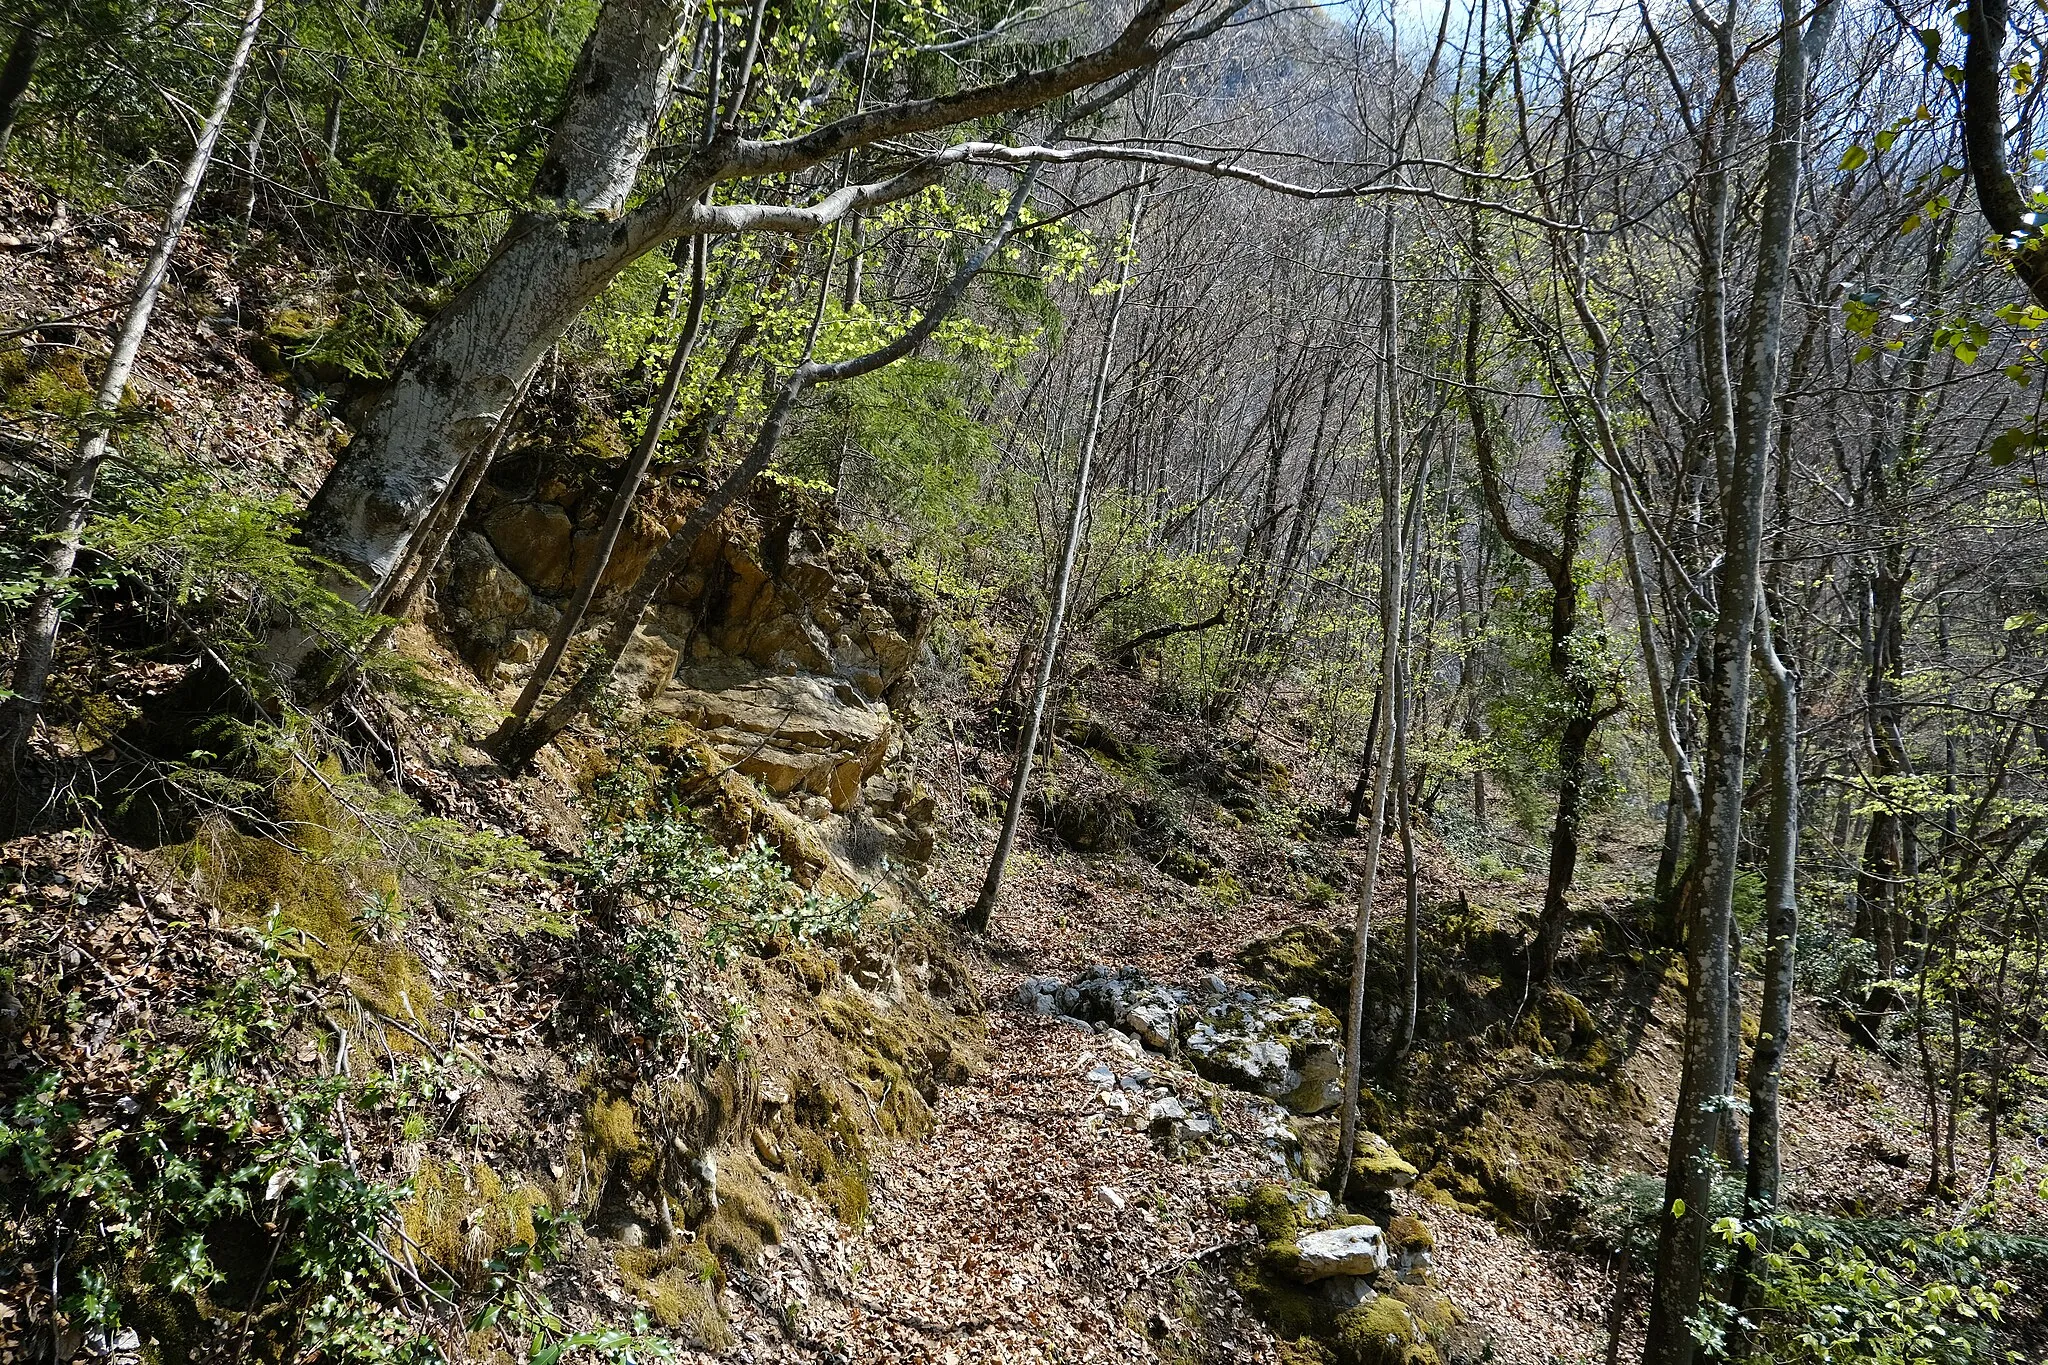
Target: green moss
column 459, row 1216
column 1290, row 1310
column 1435, row 1314
column 746, row 1218
column 1307, row 959
column 58, row 385
column 1378, row 1167
column 679, row 1284
column 1409, row 1234
column 320, row 892
column 612, row 1141
column 834, row 1169
column 1382, row 1332
column 1516, row 1169
column 1273, row 1209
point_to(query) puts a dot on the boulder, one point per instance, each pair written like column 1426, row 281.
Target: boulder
column 1378, row 1168
column 797, row 732
column 534, row 539
column 1286, row 1050
column 1040, row 994
column 1154, row 1015
column 481, row 588
column 1357, row 1250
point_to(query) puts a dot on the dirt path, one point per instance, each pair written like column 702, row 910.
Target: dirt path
column 1038, row 1224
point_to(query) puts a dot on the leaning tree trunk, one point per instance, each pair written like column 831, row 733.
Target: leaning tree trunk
column 1704, row 1097
column 623, row 497
column 45, row 613
column 1027, row 741
column 15, row 75
column 461, row 371
column 517, row 748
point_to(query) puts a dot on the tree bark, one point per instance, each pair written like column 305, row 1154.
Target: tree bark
column 1781, row 932
column 45, row 613
column 1999, row 197
column 460, row 371
column 1704, row 1094
column 16, row 74
column 983, row 911
column 1391, row 546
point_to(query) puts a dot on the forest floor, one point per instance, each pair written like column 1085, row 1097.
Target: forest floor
column 1035, row 1222
column 1028, row 1228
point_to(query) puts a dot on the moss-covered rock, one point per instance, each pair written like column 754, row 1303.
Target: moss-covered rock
column 460, row 1215
column 1377, row 1169
column 1307, row 959
column 1407, row 1233
column 1382, row 1332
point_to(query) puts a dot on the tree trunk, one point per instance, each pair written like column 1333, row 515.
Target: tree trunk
column 516, row 749
column 630, row 479
column 461, row 371
column 1411, row 921
column 1704, row 1093
column 1388, row 418
column 45, row 613
column 1027, row 742
column 1781, row 930
column 15, row 75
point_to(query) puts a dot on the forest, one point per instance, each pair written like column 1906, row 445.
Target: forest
column 1350, row 683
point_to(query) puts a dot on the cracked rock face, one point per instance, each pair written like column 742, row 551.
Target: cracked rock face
column 792, row 732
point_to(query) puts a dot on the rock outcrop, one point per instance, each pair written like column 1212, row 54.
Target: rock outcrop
column 790, row 658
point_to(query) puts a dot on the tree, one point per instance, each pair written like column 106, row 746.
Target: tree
column 46, row 609
column 1746, row 414
column 591, row 218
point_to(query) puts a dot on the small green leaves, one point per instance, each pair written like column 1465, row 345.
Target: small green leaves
column 1854, row 156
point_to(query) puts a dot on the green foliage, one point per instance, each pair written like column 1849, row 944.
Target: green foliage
column 671, row 903
column 1828, row 1291
column 219, row 567
column 425, row 191
column 170, row 1178
column 1840, row 1291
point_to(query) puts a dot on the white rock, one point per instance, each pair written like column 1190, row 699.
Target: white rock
column 1122, row 1044
column 1153, row 1022
column 1163, row 1114
column 1100, row 1075
column 1113, row 1197
column 1359, row 1250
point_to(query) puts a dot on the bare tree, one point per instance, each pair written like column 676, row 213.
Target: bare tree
column 75, row 500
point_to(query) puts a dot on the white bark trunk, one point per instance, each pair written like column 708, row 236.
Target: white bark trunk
column 45, row 614
column 1027, row 743
column 462, row 370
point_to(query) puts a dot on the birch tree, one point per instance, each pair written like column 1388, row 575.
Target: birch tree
column 75, row 500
